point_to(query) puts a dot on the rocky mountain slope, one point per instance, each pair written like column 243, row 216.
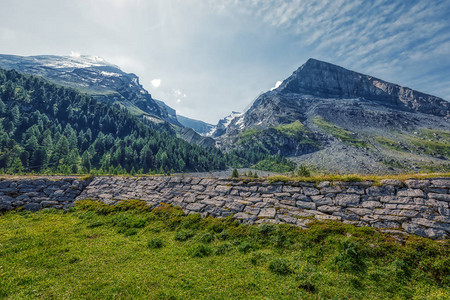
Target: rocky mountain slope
column 96, row 77
column 343, row 121
column 200, row 127
column 107, row 83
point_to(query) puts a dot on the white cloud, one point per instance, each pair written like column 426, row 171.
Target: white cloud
column 74, row 54
column 178, row 100
column 156, row 82
column 277, row 84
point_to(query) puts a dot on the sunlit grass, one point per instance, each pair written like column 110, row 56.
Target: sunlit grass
column 128, row 252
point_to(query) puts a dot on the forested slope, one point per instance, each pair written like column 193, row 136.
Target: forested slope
column 48, row 128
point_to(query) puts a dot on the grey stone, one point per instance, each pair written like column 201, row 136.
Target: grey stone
column 321, row 200
column 197, row 207
column 5, row 207
column 411, row 193
column 360, row 211
column 327, row 218
column 252, row 210
column 382, row 190
column 422, row 231
column 49, row 203
column 330, row 190
column 304, row 222
column 346, row 216
column 287, row 219
column 329, row 209
column 32, row 206
column 306, row 205
column 371, row 204
column 267, row 213
column 392, row 182
column 355, row 190
column 291, row 189
column 346, row 200
column 244, row 217
column 441, row 183
column 323, row 184
column 288, row 202
column 442, row 197
column 223, row 189
column 429, row 223
column 396, row 200
column 235, row 206
column 310, row 191
column 417, row 184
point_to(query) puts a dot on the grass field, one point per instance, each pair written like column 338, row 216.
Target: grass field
column 129, row 252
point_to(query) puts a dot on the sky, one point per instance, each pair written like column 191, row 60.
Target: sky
column 206, row 58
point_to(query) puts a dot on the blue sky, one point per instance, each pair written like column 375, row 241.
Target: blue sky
column 213, row 57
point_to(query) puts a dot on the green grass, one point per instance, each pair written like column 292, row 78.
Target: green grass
column 355, row 177
column 340, row 133
column 89, row 254
column 291, row 129
column 388, row 143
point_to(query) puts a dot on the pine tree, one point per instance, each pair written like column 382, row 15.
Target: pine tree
column 235, row 173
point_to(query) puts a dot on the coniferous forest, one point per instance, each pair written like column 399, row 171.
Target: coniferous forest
column 48, row 128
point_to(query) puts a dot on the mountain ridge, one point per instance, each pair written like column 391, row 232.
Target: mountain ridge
column 327, row 116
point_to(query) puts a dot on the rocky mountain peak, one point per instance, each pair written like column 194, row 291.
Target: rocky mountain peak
column 325, row 80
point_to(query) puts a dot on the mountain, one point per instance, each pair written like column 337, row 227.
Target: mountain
column 339, row 120
column 46, row 127
column 200, row 127
column 98, row 78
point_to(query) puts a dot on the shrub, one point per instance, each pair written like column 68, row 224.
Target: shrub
column 128, row 231
column 258, row 257
column 184, row 235
column 207, row 237
column 201, row 251
column 245, row 247
column 155, row 243
column 235, row 173
column 279, row 266
column 349, row 257
column 223, row 236
column 222, row 249
column 303, row 171
column 266, row 229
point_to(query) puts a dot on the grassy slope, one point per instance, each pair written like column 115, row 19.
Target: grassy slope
column 98, row 254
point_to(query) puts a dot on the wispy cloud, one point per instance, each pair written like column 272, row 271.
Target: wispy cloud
column 380, row 36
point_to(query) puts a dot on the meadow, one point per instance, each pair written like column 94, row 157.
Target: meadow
column 128, row 251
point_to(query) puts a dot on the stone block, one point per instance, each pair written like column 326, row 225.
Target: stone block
column 196, row 207
column 392, row 182
column 310, row 191
column 440, row 183
column 235, row 206
column 371, row 204
column 411, row 193
column 442, row 197
column 267, row 213
column 327, row 218
column 306, row 205
column 346, row 200
column 32, row 206
column 417, row 184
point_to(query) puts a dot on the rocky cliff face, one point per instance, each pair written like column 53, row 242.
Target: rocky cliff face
column 94, row 76
column 326, row 80
column 351, row 122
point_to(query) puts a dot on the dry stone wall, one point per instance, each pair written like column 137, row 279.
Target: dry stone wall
column 416, row 206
